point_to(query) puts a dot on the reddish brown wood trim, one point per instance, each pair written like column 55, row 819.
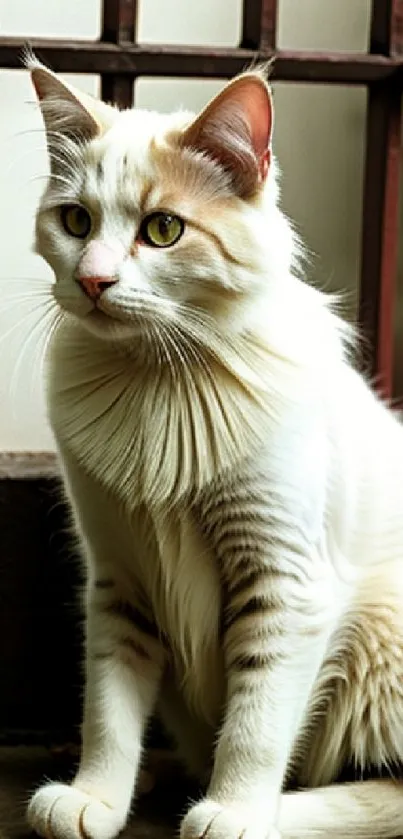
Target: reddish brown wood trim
column 381, row 201
column 387, row 27
column 119, row 27
column 389, row 254
column 119, row 19
column 381, row 18
column 379, row 232
column 156, row 60
column 259, row 23
column 397, row 29
column 117, row 89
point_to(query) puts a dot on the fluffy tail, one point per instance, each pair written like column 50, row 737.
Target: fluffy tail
column 363, row 810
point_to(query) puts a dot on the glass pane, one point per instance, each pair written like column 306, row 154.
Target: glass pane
column 319, row 142
column 22, row 273
column 55, row 19
column 171, row 94
column 209, row 23
column 324, row 25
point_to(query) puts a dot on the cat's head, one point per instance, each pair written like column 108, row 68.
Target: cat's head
column 154, row 221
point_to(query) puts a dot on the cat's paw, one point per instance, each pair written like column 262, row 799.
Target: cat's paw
column 211, row 820
column 58, row 811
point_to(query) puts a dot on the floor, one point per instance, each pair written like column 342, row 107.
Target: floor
column 22, row 769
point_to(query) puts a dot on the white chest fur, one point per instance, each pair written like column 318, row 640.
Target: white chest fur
column 140, row 442
column 147, row 436
column 186, row 599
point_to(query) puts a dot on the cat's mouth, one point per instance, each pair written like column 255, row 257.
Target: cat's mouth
column 104, row 311
column 107, row 318
column 96, row 314
column 137, row 308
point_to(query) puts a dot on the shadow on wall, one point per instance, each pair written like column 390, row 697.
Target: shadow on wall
column 398, row 377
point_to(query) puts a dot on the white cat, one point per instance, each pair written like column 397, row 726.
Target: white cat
column 237, row 487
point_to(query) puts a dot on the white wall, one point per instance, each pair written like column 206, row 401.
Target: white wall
column 319, row 141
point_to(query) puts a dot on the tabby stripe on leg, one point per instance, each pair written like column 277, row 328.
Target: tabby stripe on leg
column 125, row 643
column 239, row 541
column 218, row 519
column 136, row 648
column 104, row 583
column 125, row 610
column 101, row 656
column 256, row 605
column 222, row 500
column 247, row 579
column 247, row 574
column 254, row 661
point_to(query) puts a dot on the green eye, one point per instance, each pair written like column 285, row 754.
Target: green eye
column 161, row 230
column 76, row 220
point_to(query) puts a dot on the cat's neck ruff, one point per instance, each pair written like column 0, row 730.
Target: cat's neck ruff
column 147, row 434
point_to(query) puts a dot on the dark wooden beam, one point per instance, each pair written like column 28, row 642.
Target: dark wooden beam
column 259, row 24
column 117, row 89
column 119, row 18
column 160, row 60
column 119, row 25
column 380, row 230
column 387, row 27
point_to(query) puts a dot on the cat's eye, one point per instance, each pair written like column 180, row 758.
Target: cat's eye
column 161, row 230
column 76, row 220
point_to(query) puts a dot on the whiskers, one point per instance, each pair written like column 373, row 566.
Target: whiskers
column 38, row 317
column 65, row 155
column 194, row 346
column 187, row 351
column 181, row 343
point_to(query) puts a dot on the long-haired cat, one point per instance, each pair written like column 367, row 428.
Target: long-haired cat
column 236, row 484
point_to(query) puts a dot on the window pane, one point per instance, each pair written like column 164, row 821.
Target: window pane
column 51, row 18
column 319, row 141
column 324, row 25
column 170, row 94
column 209, row 23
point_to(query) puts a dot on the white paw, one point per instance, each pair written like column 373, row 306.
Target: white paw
column 211, row 820
column 58, row 811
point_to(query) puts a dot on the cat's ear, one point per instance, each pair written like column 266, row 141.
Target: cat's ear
column 235, row 130
column 65, row 110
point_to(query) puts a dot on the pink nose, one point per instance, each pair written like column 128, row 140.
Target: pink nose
column 95, row 286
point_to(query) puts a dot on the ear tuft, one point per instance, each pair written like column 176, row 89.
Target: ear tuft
column 235, row 130
column 28, row 58
column 66, row 110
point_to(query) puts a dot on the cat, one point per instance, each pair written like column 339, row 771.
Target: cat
column 236, row 483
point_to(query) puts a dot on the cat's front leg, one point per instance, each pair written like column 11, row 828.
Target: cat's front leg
column 124, row 661
column 280, row 599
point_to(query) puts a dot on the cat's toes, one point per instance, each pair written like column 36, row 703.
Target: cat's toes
column 211, row 820
column 58, row 811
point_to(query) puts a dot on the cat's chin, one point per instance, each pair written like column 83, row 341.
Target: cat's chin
column 104, row 326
